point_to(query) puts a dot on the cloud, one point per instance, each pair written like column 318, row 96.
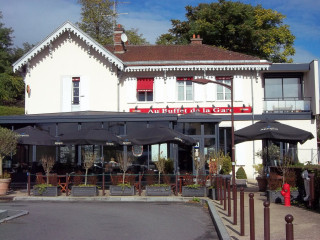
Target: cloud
column 33, row 20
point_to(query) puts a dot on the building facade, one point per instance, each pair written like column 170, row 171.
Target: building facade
column 74, row 82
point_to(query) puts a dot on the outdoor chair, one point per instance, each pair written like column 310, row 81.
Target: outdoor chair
column 62, row 183
column 53, row 179
column 40, row 178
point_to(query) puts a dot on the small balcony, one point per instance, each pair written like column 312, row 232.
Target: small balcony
column 277, row 105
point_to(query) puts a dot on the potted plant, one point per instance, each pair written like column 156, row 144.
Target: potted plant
column 125, row 188
column 241, row 177
column 261, row 178
column 86, row 189
column 8, row 146
column 46, row 189
column 199, row 188
column 159, row 189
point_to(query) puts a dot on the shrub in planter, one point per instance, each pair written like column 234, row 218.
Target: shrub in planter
column 194, row 190
column 158, row 190
column 241, row 177
column 123, row 189
column 45, row 190
column 226, row 165
column 84, row 190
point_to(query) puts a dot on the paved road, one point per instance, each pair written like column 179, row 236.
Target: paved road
column 107, row 220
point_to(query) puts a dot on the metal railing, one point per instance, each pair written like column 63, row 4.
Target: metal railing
column 278, row 105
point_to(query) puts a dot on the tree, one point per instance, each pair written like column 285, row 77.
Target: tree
column 8, row 144
column 135, row 38
column 237, row 27
column 11, row 85
column 98, row 19
column 47, row 164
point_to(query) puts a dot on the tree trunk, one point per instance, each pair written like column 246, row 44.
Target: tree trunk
column 123, row 176
column 1, row 158
column 159, row 177
column 86, row 177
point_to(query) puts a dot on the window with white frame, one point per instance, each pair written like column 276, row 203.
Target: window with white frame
column 76, row 90
column 145, row 89
column 223, row 93
column 185, row 88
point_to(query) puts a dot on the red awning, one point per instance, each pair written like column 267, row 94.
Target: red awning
column 184, row 78
column 145, row 85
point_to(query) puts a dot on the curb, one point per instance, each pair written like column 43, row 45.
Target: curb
column 13, row 214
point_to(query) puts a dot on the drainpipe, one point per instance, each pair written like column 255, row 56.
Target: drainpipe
column 252, row 115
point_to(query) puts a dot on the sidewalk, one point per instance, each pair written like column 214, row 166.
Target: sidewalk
column 305, row 223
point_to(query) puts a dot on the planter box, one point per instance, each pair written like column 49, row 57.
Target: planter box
column 276, row 197
column 194, row 192
column 158, row 191
column 241, row 182
column 90, row 191
column 213, row 193
column 121, row 191
column 4, row 186
column 48, row 191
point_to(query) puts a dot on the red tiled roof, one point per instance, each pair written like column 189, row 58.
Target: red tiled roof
column 149, row 53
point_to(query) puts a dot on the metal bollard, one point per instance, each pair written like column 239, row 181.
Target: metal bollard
column 289, row 227
column 67, row 184
column 221, row 196
column 229, row 199
column 266, row 205
column 241, row 211
column 235, row 204
column 251, row 215
column 29, row 183
column 218, row 187
column 103, row 184
column 140, row 183
column 225, row 194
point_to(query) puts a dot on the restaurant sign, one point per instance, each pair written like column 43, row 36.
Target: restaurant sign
column 208, row 110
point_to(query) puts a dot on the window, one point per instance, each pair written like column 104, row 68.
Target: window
column 75, row 90
column 223, row 93
column 185, row 88
column 282, row 87
column 145, row 89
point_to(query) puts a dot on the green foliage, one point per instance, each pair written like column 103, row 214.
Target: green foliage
column 237, row 27
column 169, row 167
column 41, row 188
column 96, row 19
column 241, row 173
column 272, row 153
column 259, row 169
column 196, row 200
column 195, row 186
column 8, row 144
column 5, row 110
column 135, row 38
column 226, row 165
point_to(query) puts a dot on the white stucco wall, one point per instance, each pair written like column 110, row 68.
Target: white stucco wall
column 70, row 59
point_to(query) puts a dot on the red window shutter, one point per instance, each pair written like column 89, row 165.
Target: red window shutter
column 145, row 85
column 76, row 79
column 223, row 77
column 184, row 78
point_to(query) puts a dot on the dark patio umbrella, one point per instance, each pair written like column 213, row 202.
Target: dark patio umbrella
column 34, row 136
column 90, row 137
column 158, row 134
column 272, row 130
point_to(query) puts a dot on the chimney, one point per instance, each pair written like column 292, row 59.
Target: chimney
column 196, row 40
column 119, row 46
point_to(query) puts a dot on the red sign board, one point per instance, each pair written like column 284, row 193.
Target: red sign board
column 208, row 110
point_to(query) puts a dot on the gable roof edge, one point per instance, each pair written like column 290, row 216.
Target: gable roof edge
column 67, row 26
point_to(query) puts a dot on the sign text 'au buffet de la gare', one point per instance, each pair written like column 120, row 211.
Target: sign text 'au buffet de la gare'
column 208, row 110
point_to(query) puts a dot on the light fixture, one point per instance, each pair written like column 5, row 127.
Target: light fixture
column 228, row 105
column 244, row 105
column 151, row 107
column 197, row 106
column 167, row 106
column 213, row 106
column 136, row 108
column 181, row 106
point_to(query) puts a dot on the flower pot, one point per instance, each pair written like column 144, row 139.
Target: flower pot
column 51, row 191
column 262, row 184
column 4, row 185
column 84, row 191
column 158, row 191
column 213, row 193
column 122, row 191
column 194, row 192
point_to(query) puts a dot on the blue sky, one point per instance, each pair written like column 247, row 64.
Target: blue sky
column 33, row 20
